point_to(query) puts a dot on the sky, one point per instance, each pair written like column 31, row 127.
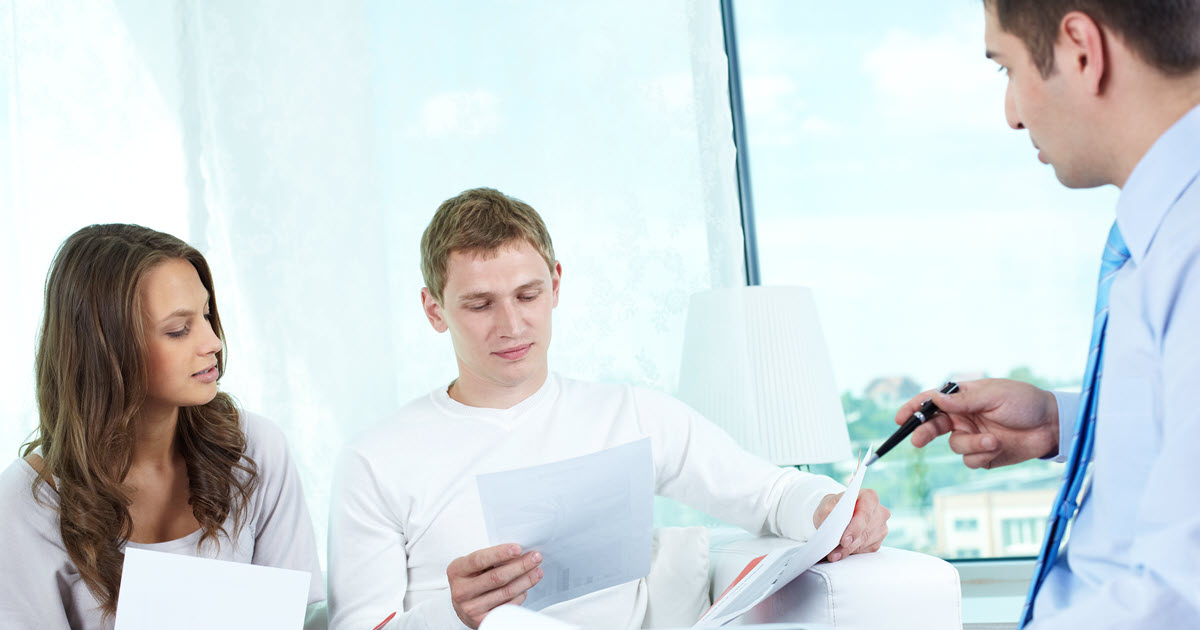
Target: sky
column 885, row 178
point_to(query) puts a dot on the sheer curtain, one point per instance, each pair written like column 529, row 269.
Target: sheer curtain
column 303, row 146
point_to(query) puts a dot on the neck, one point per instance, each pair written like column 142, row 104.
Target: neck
column 1155, row 105
column 475, row 392
column 155, row 443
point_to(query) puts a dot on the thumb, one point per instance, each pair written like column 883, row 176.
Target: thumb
column 824, row 508
column 966, row 400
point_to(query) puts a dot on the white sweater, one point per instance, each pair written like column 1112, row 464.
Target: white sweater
column 405, row 503
column 41, row 587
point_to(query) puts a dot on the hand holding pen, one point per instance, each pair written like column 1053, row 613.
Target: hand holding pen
column 919, row 416
column 991, row 422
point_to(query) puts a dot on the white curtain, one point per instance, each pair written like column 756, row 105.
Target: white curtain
column 303, row 147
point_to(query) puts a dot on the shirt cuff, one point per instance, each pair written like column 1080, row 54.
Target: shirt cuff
column 800, row 501
column 439, row 614
column 1068, row 409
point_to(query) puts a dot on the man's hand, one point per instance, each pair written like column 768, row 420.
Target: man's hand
column 867, row 528
column 992, row 422
column 489, row 578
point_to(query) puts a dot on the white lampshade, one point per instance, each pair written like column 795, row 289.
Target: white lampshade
column 756, row 364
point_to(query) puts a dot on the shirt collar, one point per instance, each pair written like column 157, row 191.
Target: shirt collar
column 506, row 417
column 1157, row 181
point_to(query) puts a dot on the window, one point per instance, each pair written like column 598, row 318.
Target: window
column 1023, row 535
column 937, row 246
column 306, row 174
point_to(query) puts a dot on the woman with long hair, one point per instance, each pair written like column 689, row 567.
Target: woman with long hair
column 136, row 447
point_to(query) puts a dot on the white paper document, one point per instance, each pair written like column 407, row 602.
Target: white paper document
column 167, row 590
column 591, row 517
column 767, row 574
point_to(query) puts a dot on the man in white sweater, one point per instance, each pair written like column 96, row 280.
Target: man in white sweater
column 406, row 528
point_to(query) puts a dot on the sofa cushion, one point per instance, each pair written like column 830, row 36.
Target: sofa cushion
column 677, row 585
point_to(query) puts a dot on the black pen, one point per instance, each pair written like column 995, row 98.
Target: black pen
column 927, row 411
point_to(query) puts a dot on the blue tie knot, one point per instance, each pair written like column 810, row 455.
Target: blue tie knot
column 1115, row 250
column 1115, row 255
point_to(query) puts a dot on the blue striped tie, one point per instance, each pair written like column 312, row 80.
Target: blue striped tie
column 1066, row 503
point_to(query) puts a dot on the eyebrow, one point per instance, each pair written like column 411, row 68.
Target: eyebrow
column 478, row 295
column 180, row 312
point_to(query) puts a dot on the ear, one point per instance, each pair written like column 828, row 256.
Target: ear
column 1081, row 50
column 555, row 282
column 433, row 311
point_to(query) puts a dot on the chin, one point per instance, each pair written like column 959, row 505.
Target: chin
column 517, row 374
column 516, row 377
column 1079, row 178
column 200, row 400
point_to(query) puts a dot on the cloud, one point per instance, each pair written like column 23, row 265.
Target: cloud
column 819, row 126
column 460, row 115
column 776, row 112
column 773, row 108
column 766, row 50
column 941, row 81
column 773, row 98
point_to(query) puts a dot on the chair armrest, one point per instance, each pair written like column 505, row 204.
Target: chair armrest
column 891, row 588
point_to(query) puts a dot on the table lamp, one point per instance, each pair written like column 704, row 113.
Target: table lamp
column 756, row 364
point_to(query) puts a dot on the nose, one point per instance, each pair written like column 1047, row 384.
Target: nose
column 1010, row 109
column 210, row 343
column 511, row 322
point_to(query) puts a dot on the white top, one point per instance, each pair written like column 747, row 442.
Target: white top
column 41, row 588
column 405, row 503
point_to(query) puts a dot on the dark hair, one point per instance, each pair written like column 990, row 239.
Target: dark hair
column 92, row 376
column 480, row 220
column 1164, row 33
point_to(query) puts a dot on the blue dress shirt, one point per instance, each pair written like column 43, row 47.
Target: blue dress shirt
column 1133, row 554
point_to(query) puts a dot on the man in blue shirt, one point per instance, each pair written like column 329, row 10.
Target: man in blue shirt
column 1109, row 91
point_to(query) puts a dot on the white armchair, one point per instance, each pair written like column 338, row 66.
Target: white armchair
column 891, row 588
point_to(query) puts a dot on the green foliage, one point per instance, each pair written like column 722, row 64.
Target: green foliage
column 908, row 477
column 1026, row 375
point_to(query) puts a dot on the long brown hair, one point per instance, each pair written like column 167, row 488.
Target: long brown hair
column 91, row 387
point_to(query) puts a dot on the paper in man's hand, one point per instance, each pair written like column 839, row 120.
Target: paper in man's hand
column 591, row 517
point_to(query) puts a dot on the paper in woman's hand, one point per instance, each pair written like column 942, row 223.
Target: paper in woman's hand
column 167, row 590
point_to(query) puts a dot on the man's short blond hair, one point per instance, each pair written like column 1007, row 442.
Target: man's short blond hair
column 479, row 221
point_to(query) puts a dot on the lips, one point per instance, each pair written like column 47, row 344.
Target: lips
column 208, row 375
column 514, row 353
column 1040, row 155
